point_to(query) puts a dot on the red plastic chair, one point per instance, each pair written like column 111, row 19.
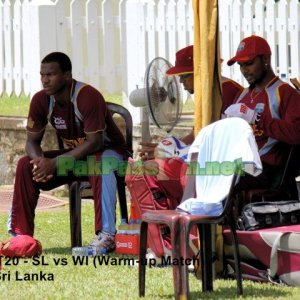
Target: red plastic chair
column 171, row 219
column 180, row 224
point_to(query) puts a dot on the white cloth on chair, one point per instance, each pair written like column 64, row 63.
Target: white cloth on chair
column 217, row 149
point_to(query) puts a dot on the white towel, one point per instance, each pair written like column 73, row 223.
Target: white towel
column 218, row 146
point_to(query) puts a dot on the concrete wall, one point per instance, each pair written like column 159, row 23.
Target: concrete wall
column 13, row 137
column 12, row 142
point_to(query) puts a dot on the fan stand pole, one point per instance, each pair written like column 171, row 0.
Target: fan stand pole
column 146, row 137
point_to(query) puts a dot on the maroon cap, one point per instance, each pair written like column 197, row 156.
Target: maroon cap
column 21, row 246
column 249, row 48
column 184, row 62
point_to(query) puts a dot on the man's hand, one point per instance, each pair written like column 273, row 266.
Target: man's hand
column 43, row 168
column 241, row 110
column 147, row 150
column 140, row 168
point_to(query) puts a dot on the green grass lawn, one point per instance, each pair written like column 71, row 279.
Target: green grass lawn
column 14, row 106
column 103, row 282
column 19, row 106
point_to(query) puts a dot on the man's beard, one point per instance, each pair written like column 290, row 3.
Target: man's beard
column 60, row 89
column 259, row 80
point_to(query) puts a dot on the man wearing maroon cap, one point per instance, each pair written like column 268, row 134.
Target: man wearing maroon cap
column 270, row 105
column 184, row 68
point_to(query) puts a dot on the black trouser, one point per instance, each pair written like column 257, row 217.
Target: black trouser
column 269, row 177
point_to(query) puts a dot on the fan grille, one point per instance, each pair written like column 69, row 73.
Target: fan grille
column 163, row 94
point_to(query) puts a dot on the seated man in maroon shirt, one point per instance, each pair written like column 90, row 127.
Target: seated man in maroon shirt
column 270, row 105
column 80, row 117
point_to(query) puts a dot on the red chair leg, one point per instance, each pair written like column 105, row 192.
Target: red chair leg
column 205, row 251
column 171, row 219
column 180, row 282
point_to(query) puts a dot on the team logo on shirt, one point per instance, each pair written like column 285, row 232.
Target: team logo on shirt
column 257, row 131
column 74, row 143
column 59, row 123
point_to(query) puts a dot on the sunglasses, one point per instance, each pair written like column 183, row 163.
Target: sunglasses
column 183, row 76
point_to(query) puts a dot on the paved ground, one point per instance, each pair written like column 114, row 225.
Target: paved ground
column 45, row 201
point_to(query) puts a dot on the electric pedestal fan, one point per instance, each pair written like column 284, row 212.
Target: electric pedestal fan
column 160, row 99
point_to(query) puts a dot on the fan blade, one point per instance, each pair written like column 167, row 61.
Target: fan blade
column 158, row 93
column 171, row 93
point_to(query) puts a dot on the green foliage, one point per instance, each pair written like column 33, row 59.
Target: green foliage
column 114, row 98
column 105, row 282
column 14, row 106
column 189, row 105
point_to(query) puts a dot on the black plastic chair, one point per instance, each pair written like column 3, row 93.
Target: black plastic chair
column 77, row 187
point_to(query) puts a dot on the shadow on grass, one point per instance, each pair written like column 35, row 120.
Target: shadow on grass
column 266, row 291
column 260, row 291
column 58, row 250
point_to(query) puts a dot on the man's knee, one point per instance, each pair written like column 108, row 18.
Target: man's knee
column 24, row 163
